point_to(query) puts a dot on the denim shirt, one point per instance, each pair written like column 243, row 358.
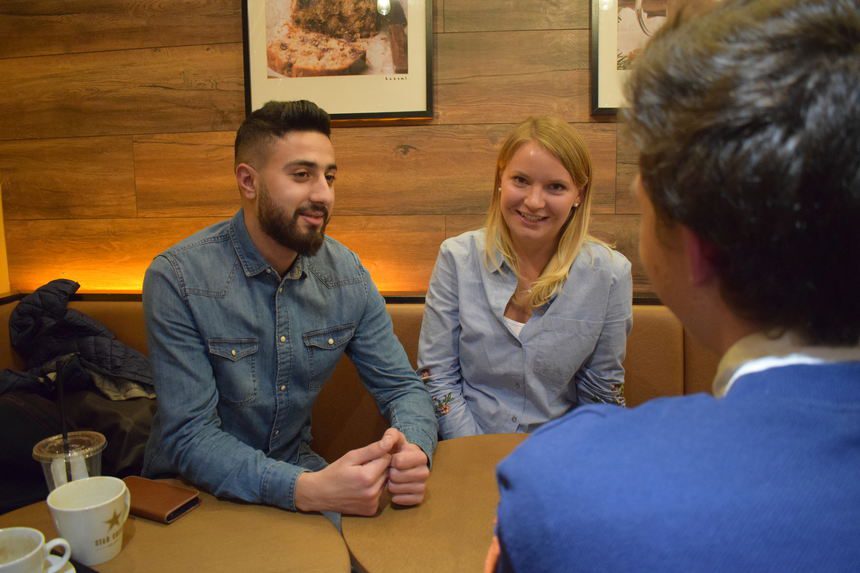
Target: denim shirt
column 486, row 378
column 239, row 356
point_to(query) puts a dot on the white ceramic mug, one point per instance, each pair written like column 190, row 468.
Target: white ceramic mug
column 90, row 513
column 23, row 550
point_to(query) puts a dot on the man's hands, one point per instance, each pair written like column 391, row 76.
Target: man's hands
column 408, row 475
column 354, row 483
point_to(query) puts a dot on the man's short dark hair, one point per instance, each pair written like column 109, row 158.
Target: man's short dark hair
column 747, row 122
column 273, row 120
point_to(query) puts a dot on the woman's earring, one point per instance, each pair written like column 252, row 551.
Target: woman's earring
column 576, row 205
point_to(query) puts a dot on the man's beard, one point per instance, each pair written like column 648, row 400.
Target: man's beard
column 274, row 222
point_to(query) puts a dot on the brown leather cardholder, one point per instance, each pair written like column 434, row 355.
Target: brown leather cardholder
column 159, row 500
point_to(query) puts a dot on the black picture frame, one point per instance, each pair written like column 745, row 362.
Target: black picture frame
column 619, row 30
column 605, row 89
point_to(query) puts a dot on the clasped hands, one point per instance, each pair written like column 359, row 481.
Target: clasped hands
column 354, row 483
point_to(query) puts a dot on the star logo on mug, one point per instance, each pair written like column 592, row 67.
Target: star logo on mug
column 113, row 521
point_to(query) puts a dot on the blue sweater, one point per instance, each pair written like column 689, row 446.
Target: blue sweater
column 765, row 479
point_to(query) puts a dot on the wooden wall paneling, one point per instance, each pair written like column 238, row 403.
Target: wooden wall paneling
column 499, row 77
column 469, row 55
column 626, row 171
column 458, row 224
column 623, row 232
column 42, row 27
column 185, row 175
column 440, row 169
column 88, row 177
column 398, row 251
column 430, row 169
column 112, row 254
column 501, row 98
column 600, row 139
column 117, row 120
column 438, row 16
column 477, row 15
column 193, row 88
column 101, row 254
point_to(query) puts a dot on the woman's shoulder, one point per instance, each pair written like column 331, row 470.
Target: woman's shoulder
column 600, row 256
column 465, row 245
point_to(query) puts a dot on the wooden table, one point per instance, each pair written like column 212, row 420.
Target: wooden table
column 452, row 529
column 217, row 536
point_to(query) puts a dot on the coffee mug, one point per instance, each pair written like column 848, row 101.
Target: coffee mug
column 90, row 513
column 23, row 550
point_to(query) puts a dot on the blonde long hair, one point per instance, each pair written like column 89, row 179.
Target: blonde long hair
column 557, row 137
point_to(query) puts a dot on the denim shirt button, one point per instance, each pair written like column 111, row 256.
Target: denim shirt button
column 283, row 338
column 233, row 352
column 280, row 289
column 330, row 341
column 277, row 432
column 283, row 387
column 513, row 418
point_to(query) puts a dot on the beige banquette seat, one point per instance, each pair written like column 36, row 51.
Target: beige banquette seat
column 661, row 361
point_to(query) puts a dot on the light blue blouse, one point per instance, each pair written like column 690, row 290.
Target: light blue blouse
column 484, row 378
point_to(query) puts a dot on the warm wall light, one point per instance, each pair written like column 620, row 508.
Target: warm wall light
column 383, row 7
column 4, row 267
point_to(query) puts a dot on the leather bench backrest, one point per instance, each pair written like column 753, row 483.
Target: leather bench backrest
column 700, row 366
column 8, row 358
column 124, row 318
column 660, row 358
column 654, row 365
column 346, row 417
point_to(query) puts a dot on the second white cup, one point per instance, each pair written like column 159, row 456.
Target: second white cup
column 23, row 550
column 90, row 514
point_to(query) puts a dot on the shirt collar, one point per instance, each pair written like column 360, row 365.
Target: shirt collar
column 758, row 352
column 297, row 270
column 500, row 264
column 249, row 257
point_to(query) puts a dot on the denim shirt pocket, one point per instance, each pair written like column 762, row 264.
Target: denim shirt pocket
column 563, row 346
column 324, row 348
column 235, row 366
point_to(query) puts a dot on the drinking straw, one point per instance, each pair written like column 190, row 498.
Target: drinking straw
column 67, row 450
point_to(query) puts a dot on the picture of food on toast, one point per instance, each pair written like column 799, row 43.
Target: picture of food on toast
column 311, row 38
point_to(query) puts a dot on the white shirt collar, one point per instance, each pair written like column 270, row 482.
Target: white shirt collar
column 758, row 352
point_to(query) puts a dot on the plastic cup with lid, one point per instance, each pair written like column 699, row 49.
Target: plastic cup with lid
column 84, row 458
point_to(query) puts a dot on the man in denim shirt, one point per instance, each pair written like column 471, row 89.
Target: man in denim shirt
column 247, row 320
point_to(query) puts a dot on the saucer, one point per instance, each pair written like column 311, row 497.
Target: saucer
column 54, row 559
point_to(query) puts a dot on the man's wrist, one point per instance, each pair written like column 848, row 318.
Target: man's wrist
column 305, row 494
column 419, row 437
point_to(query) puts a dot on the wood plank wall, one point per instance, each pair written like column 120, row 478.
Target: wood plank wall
column 117, row 120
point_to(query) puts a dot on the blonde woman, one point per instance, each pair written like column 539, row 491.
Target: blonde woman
column 527, row 317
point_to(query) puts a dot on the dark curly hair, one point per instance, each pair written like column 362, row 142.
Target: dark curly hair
column 747, row 122
column 273, row 120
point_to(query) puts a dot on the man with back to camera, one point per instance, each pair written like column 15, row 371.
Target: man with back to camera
column 246, row 321
column 747, row 121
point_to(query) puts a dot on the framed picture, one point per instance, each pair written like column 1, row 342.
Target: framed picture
column 619, row 30
column 357, row 59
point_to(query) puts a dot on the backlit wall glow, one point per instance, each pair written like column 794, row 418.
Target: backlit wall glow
column 117, row 122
